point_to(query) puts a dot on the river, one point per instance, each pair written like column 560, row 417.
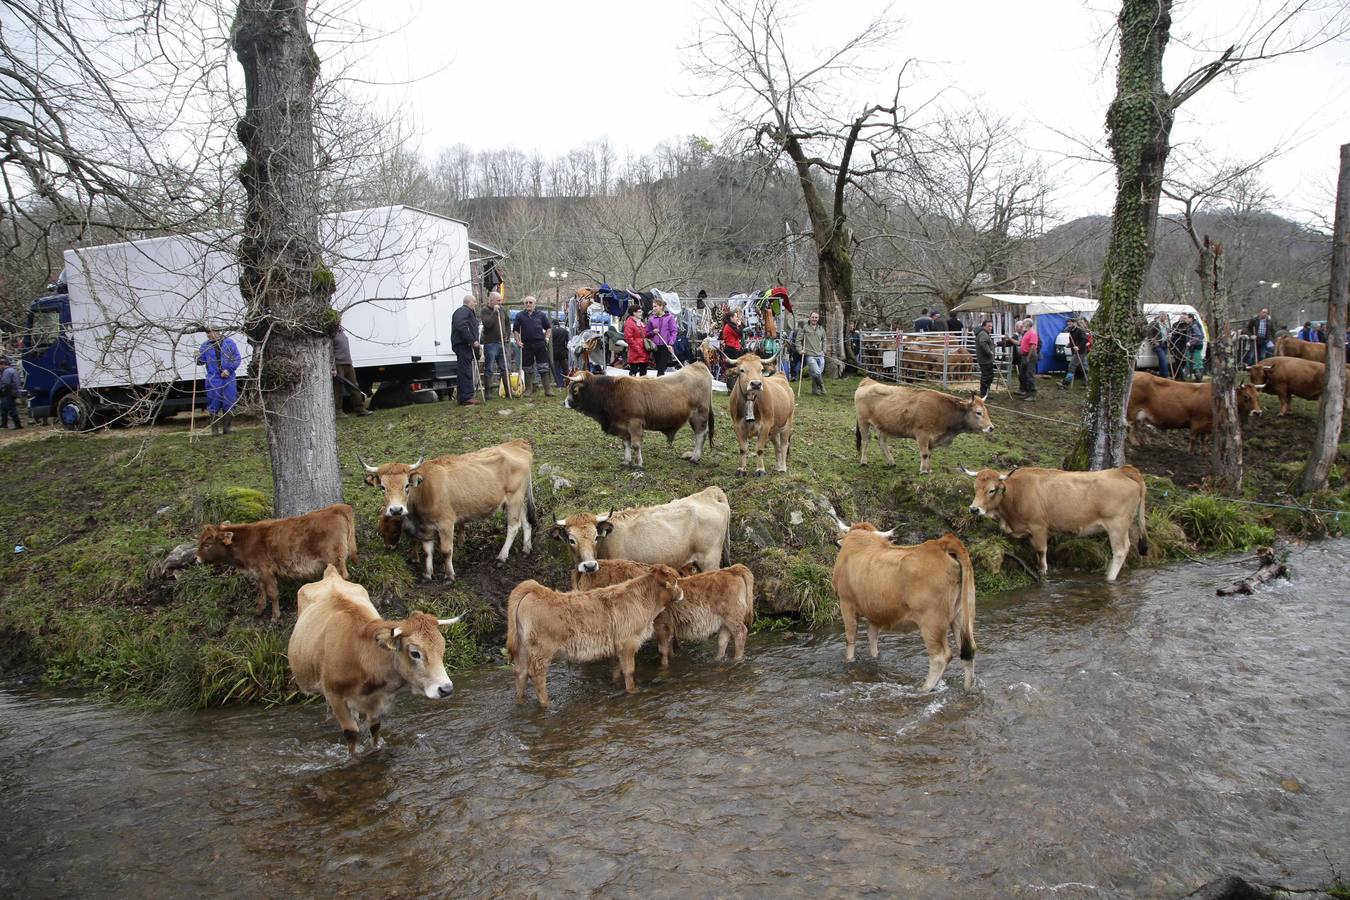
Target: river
column 1126, row 740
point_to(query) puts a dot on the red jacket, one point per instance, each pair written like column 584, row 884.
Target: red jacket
column 731, row 337
column 634, row 334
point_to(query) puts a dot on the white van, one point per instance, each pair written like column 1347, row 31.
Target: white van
column 1144, row 357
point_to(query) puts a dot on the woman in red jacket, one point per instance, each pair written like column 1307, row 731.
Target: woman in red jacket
column 732, row 332
column 635, row 335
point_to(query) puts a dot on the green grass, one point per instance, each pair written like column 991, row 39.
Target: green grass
column 98, row 512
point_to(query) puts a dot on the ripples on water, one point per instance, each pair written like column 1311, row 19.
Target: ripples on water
column 1134, row 739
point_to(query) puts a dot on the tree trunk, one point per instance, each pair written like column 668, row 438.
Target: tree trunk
column 286, row 287
column 1139, row 123
column 1227, row 433
column 1330, row 409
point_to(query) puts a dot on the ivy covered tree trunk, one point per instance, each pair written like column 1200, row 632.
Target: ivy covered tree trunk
column 1139, row 124
column 287, row 289
column 1227, row 433
column 1330, row 409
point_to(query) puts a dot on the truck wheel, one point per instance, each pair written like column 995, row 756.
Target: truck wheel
column 73, row 412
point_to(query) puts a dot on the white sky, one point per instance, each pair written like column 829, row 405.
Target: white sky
column 549, row 77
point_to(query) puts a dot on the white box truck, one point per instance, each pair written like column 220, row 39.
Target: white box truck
column 122, row 338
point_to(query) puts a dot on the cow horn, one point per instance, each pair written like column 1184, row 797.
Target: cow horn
column 966, row 471
column 769, row 360
column 605, row 517
column 367, row 466
column 886, row 534
column 397, row 632
column 418, row 463
column 1010, row 471
column 575, row 379
column 839, row 523
column 446, row 623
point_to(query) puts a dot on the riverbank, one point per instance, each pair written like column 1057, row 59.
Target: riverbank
column 95, row 514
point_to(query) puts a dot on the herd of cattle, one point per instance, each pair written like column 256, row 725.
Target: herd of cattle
column 665, row 571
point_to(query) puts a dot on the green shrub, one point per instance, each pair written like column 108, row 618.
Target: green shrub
column 1218, row 526
column 247, row 666
column 812, row 587
column 232, row 504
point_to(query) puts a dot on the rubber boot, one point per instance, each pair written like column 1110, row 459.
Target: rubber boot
column 547, row 381
column 489, row 387
column 227, row 422
column 215, row 424
column 526, row 386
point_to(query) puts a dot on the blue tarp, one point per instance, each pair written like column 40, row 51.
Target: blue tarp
column 1048, row 327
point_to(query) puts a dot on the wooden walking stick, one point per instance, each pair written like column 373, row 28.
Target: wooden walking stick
column 192, row 409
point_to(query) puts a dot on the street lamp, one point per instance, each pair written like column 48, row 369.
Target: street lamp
column 556, row 277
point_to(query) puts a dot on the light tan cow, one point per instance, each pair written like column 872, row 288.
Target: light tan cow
column 1288, row 345
column 434, row 496
column 762, row 409
column 720, row 602
column 932, row 418
column 1035, row 502
column 929, row 585
column 584, row 625
column 693, row 529
column 341, row 648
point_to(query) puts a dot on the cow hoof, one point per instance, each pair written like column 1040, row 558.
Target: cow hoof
column 500, row 563
column 863, row 464
column 741, row 473
column 759, row 473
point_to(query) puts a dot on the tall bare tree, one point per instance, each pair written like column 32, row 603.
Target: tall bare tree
column 1330, row 407
column 286, row 286
column 786, row 100
column 1139, row 124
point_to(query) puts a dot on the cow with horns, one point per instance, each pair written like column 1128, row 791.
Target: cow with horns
column 433, row 496
column 762, row 409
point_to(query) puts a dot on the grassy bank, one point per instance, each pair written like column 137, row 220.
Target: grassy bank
column 96, row 513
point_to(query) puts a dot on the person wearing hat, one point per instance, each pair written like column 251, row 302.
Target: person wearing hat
column 9, row 394
column 221, row 358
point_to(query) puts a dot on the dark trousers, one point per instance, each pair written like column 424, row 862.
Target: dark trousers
column 559, row 368
column 9, row 408
column 535, row 357
column 464, row 364
column 346, row 372
column 1027, row 372
column 986, row 377
column 663, row 359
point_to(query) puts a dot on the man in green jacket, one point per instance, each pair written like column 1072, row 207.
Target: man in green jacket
column 812, row 343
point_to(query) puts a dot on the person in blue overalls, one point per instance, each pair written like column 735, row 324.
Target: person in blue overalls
column 221, row 358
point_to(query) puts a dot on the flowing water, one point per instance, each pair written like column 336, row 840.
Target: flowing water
column 1127, row 740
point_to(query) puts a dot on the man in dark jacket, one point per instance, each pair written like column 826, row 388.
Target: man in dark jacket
column 533, row 334
column 464, row 340
column 923, row 323
column 560, row 338
column 954, row 323
column 1078, row 349
column 1261, row 327
column 494, row 359
column 984, row 355
column 9, row 394
column 344, row 375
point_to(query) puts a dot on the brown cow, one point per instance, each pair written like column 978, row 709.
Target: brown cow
column 932, row 418
column 931, row 585
column 1164, row 404
column 584, row 625
column 294, row 547
column 762, row 409
column 1286, row 375
column 721, row 601
column 693, row 529
column 434, row 496
column 626, row 406
column 1034, row 502
column 1288, row 345
column 341, row 648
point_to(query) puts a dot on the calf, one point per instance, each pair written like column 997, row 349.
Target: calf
column 932, row 418
column 721, row 601
column 1035, row 502
column 341, row 648
column 693, row 529
column 762, row 409
column 1289, row 375
column 294, row 547
column 584, row 625
column 1164, row 404
column 931, row 585
column 626, row 407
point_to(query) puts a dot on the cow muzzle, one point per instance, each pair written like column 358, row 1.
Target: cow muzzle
column 978, row 510
column 588, row 567
column 989, row 429
column 439, row 691
column 394, row 510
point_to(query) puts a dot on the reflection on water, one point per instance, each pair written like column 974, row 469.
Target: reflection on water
column 1133, row 739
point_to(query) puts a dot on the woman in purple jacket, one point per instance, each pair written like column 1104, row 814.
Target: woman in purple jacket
column 663, row 328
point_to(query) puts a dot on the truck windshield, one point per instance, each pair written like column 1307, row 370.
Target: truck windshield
column 44, row 327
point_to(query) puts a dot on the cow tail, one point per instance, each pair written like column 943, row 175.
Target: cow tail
column 1143, row 519
column 726, row 546
column 512, row 623
column 530, row 514
column 966, row 596
column 749, row 579
column 351, row 534
column 712, row 422
column 857, row 438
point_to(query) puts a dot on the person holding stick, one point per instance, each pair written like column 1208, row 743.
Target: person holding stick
column 221, row 358
column 812, row 341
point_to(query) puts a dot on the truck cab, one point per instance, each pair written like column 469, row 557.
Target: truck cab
column 49, row 368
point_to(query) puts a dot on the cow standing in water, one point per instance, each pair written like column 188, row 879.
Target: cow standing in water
column 929, row 585
column 762, row 409
column 627, row 407
column 1033, row 503
column 341, row 648
column 932, row 418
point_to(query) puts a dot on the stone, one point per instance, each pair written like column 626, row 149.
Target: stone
column 795, row 517
column 559, row 483
column 179, row 557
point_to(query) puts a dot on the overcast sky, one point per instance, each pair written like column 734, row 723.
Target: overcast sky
column 549, row 77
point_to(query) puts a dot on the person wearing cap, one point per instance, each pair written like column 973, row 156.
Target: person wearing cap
column 9, row 394
column 221, row 358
